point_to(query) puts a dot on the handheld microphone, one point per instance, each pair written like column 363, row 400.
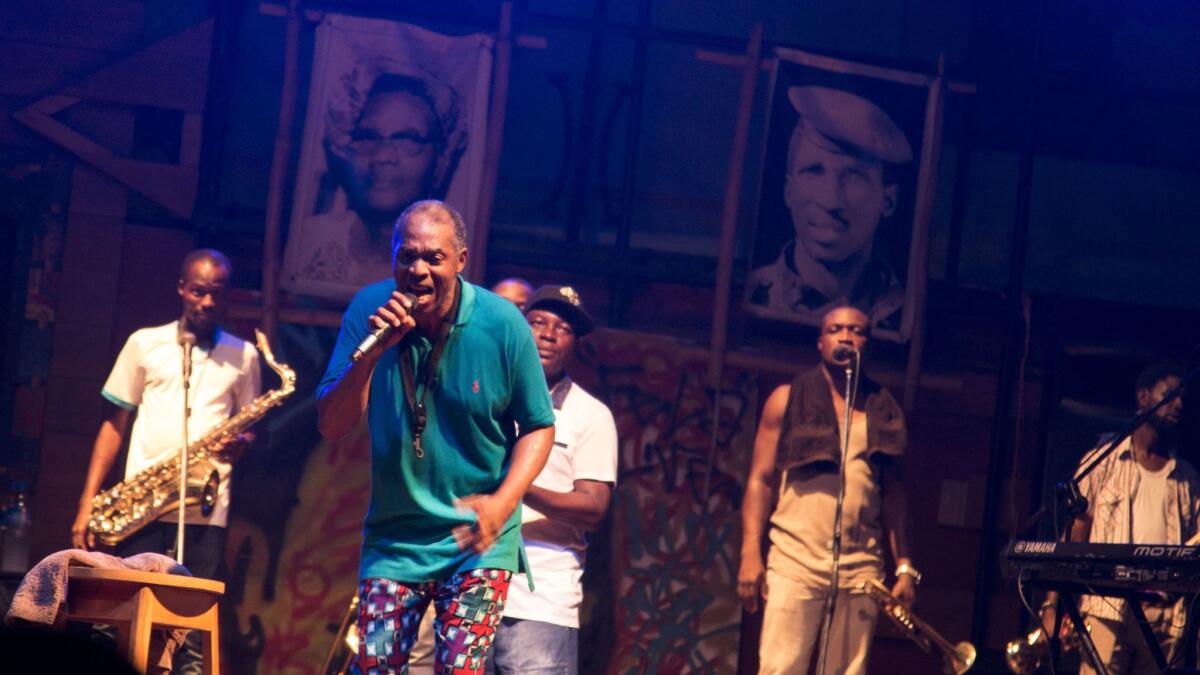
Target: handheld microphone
column 377, row 336
column 844, row 352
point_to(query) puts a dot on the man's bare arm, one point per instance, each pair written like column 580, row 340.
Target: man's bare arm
column 104, row 453
column 583, row 507
column 1081, row 529
column 340, row 408
column 759, row 497
column 895, row 524
column 492, row 511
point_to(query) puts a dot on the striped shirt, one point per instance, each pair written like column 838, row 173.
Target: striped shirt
column 1111, row 490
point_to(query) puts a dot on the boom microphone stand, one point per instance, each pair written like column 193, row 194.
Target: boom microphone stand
column 831, row 602
column 187, row 340
column 1068, row 500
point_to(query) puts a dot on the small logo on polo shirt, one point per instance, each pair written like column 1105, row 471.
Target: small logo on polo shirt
column 475, row 386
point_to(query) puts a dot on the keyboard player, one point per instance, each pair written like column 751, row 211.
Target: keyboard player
column 1142, row 493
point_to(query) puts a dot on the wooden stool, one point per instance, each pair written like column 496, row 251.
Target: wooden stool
column 136, row 602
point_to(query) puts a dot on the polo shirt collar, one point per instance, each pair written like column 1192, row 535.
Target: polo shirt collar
column 466, row 305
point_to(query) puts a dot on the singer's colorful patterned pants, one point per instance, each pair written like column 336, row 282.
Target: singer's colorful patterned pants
column 467, row 609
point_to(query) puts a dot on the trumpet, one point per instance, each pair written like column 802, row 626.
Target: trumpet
column 956, row 659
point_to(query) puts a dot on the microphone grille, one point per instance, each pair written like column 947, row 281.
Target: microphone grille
column 843, row 352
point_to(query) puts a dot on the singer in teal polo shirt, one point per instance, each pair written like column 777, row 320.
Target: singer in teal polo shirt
column 445, row 390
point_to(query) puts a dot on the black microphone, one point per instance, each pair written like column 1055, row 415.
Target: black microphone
column 377, row 336
column 187, row 340
column 841, row 352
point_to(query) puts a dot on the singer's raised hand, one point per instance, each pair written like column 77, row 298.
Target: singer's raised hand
column 394, row 313
column 341, row 406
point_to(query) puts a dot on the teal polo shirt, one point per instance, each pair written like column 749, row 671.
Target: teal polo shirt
column 489, row 381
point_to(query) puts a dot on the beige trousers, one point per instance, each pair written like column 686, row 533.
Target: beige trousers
column 792, row 627
column 1121, row 647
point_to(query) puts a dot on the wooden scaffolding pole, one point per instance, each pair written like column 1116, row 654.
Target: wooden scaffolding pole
column 477, row 265
column 280, row 161
column 729, row 211
column 733, row 189
column 918, row 276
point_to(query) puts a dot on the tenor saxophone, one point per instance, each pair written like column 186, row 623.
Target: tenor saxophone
column 957, row 659
column 141, row 499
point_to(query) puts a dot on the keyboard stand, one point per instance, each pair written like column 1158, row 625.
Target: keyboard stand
column 1068, row 593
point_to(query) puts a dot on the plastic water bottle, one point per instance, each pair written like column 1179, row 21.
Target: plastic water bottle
column 16, row 533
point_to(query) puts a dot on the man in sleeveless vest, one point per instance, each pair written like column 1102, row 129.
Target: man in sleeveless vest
column 793, row 485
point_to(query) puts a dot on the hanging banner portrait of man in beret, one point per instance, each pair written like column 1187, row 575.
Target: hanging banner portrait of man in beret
column 396, row 114
column 836, row 211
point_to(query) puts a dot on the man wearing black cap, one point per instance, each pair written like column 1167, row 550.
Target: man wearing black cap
column 539, row 632
column 839, row 185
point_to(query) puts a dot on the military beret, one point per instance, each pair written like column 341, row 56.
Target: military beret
column 838, row 120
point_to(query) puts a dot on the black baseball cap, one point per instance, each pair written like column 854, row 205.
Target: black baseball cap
column 565, row 302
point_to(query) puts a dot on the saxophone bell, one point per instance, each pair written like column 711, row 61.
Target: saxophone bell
column 1026, row 654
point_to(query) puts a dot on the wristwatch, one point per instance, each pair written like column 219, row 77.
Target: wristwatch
column 905, row 568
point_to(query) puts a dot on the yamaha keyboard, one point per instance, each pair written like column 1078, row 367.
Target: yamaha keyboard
column 1104, row 569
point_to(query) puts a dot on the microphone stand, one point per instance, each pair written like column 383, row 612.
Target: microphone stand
column 831, row 602
column 186, row 340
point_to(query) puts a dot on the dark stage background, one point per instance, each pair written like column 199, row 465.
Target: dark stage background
column 1065, row 228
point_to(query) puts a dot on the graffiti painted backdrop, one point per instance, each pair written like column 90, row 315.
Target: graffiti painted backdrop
column 674, row 546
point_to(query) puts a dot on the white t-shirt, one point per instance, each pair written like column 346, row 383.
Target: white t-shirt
column 585, row 448
column 148, row 377
column 1149, row 506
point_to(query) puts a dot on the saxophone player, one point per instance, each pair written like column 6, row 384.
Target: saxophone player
column 145, row 388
